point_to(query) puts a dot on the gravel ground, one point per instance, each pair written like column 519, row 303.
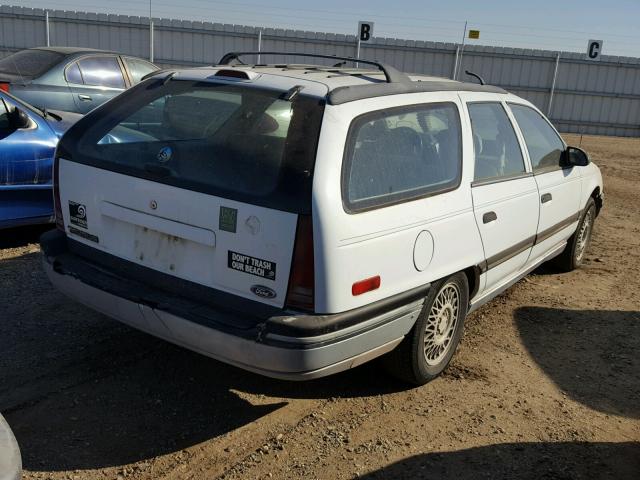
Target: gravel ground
column 546, row 383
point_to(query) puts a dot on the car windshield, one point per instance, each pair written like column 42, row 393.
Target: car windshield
column 233, row 140
column 29, row 63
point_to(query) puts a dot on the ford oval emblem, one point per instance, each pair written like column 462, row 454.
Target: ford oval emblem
column 164, row 155
column 262, row 291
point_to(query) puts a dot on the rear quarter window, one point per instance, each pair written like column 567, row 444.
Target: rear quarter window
column 401, row 154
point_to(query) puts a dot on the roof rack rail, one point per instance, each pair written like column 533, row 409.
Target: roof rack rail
column 391, row 74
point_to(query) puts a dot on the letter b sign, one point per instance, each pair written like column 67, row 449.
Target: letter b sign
column 594, row 49
column 365, row 31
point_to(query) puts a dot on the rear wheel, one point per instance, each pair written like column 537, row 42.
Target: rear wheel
column 428, row 348
column 575, row 251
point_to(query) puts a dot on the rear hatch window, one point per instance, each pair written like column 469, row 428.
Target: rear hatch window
column 235, row 141
column 29, row 63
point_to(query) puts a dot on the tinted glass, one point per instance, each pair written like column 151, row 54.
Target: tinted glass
column 400, row 154
column 138, row 68
column 495, row 145
column 543, row 143
column 30, row 63
column 102, row 71
column 227, row 140
column 73, row 74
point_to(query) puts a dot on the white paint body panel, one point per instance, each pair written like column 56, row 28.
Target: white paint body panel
column 347, row 247
column 351, row 247
column 181, row 237
column 515, row 204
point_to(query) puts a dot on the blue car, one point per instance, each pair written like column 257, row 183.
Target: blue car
column 28, row 138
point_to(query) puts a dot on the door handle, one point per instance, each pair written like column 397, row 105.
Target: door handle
column 489, row 217
column 546, row 197
column 84, row 98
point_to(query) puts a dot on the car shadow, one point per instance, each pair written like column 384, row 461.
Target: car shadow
column 561, row 460
column 20, row 236
column 591, row 355
column 82, row 391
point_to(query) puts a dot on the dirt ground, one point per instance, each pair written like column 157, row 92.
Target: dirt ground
column 545, row 385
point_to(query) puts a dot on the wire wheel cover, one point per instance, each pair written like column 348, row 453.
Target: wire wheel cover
column 441, row 324
column 584, row 235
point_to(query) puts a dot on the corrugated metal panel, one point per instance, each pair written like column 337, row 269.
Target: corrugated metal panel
column 591, row 97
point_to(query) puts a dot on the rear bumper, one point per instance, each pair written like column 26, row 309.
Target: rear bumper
column 288, row 346
column 10, row 461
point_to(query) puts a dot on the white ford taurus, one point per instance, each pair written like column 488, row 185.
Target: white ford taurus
column 298, row 220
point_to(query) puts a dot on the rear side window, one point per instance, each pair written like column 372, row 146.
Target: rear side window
column 401, row 154
column 495, row 145
column 138, row 68
column 30, row 63
column 101, row 71
column 543, row 143
column 233, row 141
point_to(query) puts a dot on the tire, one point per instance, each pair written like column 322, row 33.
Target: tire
column 428, row 348
column 573, row 255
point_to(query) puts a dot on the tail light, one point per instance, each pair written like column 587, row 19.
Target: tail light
column 57, row 204
column 300, row 294
column 4, row 86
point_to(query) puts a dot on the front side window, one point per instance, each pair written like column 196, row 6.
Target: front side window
column 543, row 143
column 495, row 145
column 138, row 68
column 101, row 71
column 401, row 154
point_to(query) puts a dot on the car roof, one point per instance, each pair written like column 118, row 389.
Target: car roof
column 346, row 84
column 71, row 50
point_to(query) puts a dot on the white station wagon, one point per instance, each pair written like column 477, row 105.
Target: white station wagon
column 299, row 220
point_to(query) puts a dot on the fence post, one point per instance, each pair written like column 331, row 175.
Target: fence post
column 455, row 63
column 259, row 45
column 47, row 28
column 553, row 85
column 150, row 40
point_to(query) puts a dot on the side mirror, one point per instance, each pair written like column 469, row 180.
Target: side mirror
column 19, row 119
column 576, row 157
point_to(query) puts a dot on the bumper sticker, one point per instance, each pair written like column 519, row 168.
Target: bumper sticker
column 252, row 265
column 78, row 214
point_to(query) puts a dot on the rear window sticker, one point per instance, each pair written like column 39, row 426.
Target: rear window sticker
column 228, row 219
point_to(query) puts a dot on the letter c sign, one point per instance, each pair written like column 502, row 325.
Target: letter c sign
column 365, row 31
column 594, row 49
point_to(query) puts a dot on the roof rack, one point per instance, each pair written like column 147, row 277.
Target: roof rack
column 391, row 74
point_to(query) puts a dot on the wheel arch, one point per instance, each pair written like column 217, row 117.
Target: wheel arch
column 473, row 280
column 596, row 194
